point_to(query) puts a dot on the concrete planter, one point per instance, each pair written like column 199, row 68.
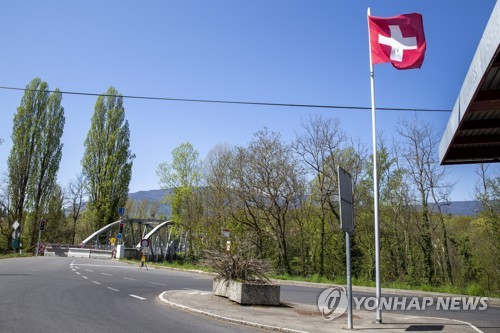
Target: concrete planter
column 247, row 293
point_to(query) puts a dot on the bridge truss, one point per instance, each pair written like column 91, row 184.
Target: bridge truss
column 166, row 239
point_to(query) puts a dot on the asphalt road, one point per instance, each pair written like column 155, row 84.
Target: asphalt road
column 51, row 294
column 48, row 294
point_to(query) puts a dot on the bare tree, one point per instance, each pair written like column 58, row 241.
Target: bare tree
column 75, row 198
column 322, row 147
column 217, row 194
column 419, row 151
column 316, row 147
column 269, row 181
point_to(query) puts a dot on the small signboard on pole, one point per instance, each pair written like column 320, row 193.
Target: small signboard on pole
column 347, row 223
column 15, row 236
column 145, row 243
column 346, row 201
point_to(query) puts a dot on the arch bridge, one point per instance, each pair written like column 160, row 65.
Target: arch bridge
column 166, row 239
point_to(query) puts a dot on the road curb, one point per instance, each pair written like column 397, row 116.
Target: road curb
column 388, row 291
column 227, row 319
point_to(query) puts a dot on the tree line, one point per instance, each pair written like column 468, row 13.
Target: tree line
column 280, row 197
column 31, row 192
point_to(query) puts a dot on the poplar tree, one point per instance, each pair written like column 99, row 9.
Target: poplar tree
column 36, row 153
column 107, row 161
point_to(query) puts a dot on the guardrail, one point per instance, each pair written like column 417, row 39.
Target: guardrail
column 100, row 254
column 78, row 253
column 55, row 252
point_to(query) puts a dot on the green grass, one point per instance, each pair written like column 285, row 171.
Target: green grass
column 471, row 289
column 173, row 264
column 14, row 255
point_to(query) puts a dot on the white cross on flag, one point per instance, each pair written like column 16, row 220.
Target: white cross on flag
column 399, row 40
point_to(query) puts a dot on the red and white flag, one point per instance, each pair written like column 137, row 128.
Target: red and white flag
column 399, row 40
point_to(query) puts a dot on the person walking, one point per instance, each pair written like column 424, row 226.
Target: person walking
column 143, row 262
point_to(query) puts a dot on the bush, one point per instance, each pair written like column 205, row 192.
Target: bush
column 238, row 266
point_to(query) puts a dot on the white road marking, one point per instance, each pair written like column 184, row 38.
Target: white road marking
column 88, row 270
column 78, row 273
column 111, row 266
column 86, row 278
column 112, row 289
column 159, row 284
column 127, row 278
column 135, row 296
column 96, row 282
column 107, row 274
column 74, row 270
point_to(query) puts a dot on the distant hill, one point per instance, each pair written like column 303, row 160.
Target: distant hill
column 151, row 195
column 463, row 208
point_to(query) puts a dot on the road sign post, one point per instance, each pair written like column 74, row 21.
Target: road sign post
column 145, row 243
column 15, row 236
column 42, row 227
column 347, row 223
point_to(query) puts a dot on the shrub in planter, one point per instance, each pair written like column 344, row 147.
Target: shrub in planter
column 242, row 279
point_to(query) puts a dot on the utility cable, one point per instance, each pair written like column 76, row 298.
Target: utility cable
column 191, row 100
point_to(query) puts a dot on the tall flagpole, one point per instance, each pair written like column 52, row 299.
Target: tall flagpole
column 375, row 182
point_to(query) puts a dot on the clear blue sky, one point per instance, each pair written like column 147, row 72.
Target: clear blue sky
column 282, row 51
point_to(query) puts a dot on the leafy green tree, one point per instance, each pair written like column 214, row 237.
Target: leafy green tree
column 35, row 155
column 57, row 229
column 47, row 159
column 183, row 176
column 487, row 224
column 107, row 161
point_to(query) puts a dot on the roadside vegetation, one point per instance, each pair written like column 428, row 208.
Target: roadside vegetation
column 281, row 197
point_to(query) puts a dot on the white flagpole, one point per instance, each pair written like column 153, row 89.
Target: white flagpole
column 375, row 183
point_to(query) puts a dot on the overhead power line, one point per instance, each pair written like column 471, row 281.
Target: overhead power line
column 214, row 101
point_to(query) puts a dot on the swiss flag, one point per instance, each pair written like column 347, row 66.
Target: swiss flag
column 399, row 40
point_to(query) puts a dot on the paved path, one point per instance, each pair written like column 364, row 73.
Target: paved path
column 295, row 317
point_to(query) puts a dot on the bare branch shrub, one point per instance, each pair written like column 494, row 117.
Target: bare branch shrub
column 238, row 265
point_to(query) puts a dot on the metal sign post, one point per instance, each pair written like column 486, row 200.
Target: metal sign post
column 42, row 227
column 347, row 223
column 15, row 236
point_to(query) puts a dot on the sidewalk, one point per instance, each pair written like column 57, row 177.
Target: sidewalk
column 303, row 317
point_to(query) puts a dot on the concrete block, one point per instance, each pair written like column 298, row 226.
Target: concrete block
column 247, row 293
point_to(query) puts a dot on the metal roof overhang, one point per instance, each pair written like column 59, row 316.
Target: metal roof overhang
column 473, row 131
